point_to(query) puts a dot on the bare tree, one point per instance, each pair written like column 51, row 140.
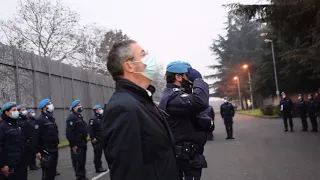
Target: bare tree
column 110, row 38
column 47, row 28
column 92, row 36
column 159, row 81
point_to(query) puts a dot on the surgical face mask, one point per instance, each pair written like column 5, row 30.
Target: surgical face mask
column 151, row 67
column 50, row 108
column 33, row 114
column 283, row 97
column 14, row 114
column 79, row 109
column 24, row 112
column 309, row 97
column 225, row 100
column 101, row 111
column 299, row 98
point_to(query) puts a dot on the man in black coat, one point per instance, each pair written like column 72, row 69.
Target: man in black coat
column 136, row 139
column 286, row 107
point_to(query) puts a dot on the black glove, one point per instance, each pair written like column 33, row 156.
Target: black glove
column 193, row 74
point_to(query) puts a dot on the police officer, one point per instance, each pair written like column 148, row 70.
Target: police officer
column 46, row 139
column 286, row 106
column 31, row 119
column 208, row 114
column 227, row 113
column 303, row 111
column 312, row 113
column 94, row 131
column 27, row 132
column 77, row 136
column 185, row 96
column 12, row 144
column 0, row 114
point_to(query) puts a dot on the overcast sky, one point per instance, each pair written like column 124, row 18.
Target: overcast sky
column 169, row 29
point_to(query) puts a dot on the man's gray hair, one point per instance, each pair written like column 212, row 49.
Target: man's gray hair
column 119, row 53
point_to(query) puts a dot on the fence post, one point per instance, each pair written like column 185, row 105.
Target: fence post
column 16, row 74
column 35, row 99
column 49, row 73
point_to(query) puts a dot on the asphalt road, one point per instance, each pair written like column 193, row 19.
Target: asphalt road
column 261, row 151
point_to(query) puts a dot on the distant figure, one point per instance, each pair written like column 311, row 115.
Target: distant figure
column 286, row 106
column 303, row 110
column 227, row 114
column 312, row 113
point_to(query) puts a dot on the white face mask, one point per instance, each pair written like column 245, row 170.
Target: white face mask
column 14, row 114
column 225, row 100
column 151, row 67
column 33, row 114
column 299, row 98
column 101, row 111
column 25, row 112
column 50, row 108
column 283, row 97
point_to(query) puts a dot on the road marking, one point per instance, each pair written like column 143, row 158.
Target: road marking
column 100, row 175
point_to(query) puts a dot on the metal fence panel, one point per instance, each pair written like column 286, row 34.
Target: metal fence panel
column 27, row 78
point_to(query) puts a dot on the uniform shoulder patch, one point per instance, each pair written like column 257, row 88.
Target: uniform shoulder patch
column 71, row 123
column 184, row 95
column 91, row 123
column 36, row 126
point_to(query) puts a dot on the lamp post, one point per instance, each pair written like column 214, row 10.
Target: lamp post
column 238, row 82
column 250, row 85
column 274, row 68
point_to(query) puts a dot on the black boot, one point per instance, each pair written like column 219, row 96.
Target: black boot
column 100, row 170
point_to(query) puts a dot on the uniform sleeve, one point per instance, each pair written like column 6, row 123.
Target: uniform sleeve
column 195, row 102
column 70, row 131
column 92, row 129
column 221, row 111
column 213, row 114
column 232, row 110
column 36, row 136
column 121, row 141
column 2, row 158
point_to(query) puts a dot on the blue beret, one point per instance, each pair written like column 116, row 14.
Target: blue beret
column 8, row 106
column 96, row 107
column 44, row 102
column 21, row 106
column 178, row 67
column 29, row 110
column 74, row 104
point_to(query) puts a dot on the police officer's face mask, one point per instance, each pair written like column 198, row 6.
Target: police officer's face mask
column 309, row 97
column 299, row 97
column 14, row 114
column 79, row 109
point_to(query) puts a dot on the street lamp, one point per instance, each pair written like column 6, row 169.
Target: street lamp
column 238, row 82
column 274, row 68
column 250, row 87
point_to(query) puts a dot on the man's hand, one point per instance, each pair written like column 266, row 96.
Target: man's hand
column 193, row 74
column 74, row 149
column 5, row 171
column 94, row 140
column 38, row 155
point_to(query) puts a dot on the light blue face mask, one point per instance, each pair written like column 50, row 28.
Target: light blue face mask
column 151, row 67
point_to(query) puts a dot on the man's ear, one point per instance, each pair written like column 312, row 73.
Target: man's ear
column 128, row 66
column 178, row 77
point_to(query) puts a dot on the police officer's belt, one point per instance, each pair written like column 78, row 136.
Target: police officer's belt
column 187, row 149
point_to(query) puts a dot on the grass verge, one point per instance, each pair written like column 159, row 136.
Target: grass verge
column 255, row 112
